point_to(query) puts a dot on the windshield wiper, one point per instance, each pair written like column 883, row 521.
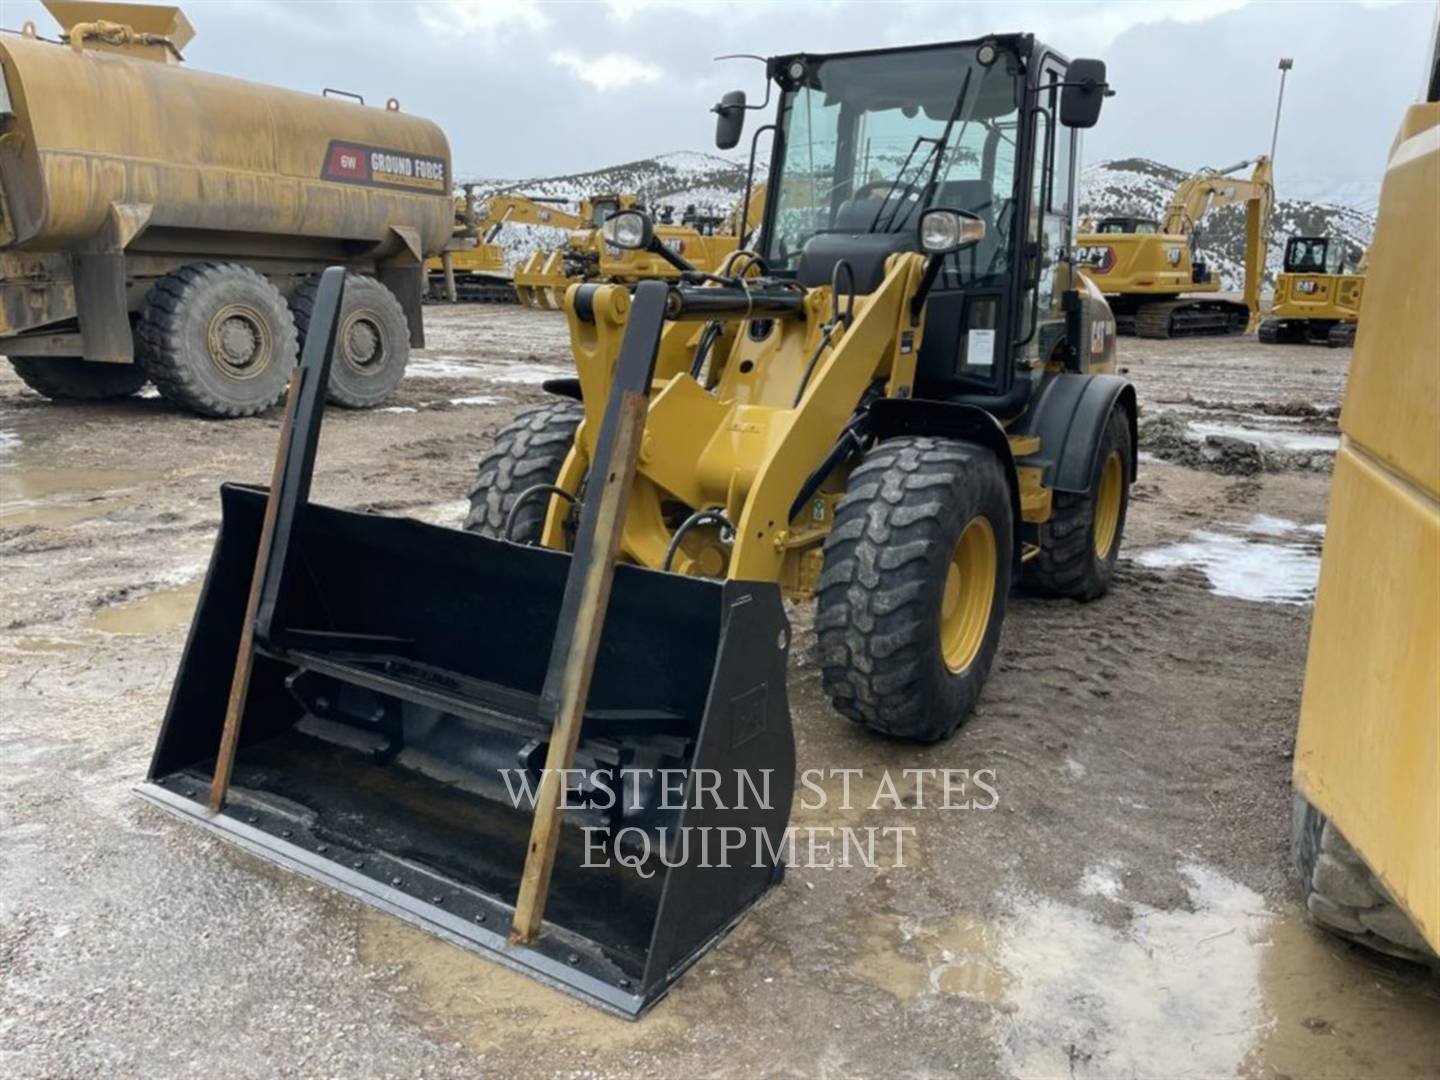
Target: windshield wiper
column 935, row 153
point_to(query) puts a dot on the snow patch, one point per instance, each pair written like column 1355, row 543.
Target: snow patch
column 1242, row 568
column 1292, row 441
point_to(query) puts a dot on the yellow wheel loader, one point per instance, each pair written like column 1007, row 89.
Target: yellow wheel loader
column 1366, row 840
column 1316, row 301
column 902, row 401
column 1150, row 272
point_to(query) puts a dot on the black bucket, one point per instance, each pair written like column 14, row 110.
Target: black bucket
column 395, row 708
column 393, row 724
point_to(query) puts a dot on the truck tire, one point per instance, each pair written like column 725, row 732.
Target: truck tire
column 1342, row 895
column 913, row 586
column 529, row 450
column 68, row 378
column 217, row 339
column 373, row 342
column 1081, row 542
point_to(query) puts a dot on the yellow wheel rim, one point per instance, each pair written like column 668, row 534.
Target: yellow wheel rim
column 1107, row 504
column 969, row 594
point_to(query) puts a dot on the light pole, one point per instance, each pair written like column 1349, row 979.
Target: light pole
column 1286, row 63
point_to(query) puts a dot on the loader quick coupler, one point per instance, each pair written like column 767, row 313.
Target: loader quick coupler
column 502, row 744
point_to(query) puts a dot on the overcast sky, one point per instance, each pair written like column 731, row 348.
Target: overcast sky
column 526, row 89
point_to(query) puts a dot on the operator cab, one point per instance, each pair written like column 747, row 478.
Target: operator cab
column 1314, row 255
column 1131, row 225
column 868, row 141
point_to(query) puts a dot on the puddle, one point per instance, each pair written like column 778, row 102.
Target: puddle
column 1242, row 568
column 8, row 441
column 47, row 645
column 153, row 613
column 445, row 367
column 1337, row 1012
column 64, row 496
column 1174, row 994
column 954, row 955
column 1289, row 441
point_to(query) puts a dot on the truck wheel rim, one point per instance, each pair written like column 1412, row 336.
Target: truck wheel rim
column 1107, row 503
column 969, row 594
column 239, row 342
column 364, row 344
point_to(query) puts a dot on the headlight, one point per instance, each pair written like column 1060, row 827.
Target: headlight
column 629, row 230
column 943, row 231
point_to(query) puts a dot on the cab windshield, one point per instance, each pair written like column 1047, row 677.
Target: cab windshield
column 870, row 141
column 1313, row 254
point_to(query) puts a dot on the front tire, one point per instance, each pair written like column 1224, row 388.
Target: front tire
column 530, row 450
column 217, row 339
column 68, row 378
column 1080, row 543
column 372, row 342
column 913, row 590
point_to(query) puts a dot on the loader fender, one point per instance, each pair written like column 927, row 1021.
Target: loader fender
column 1069, row 413
column 892, row 417
column 567, row 388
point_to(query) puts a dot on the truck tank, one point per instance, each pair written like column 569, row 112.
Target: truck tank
column 124, row 172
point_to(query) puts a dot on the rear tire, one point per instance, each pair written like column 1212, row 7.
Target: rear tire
column 217, row 339
column 913, row 590
column 1342, row 896
column 68, row 378
column 373, row 341
column 530, row 450
column 1081, row 542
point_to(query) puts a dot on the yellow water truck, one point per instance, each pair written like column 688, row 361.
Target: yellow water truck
column 167, row 225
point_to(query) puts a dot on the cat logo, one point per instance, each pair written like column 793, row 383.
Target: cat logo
column 1099, row 258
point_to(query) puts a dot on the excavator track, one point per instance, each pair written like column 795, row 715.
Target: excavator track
column 473, row 290
column 1341, row 335
column 1191, row 318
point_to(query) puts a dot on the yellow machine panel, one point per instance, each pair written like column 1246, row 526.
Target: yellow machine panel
column 1368, row 751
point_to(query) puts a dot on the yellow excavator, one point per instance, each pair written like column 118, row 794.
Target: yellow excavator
column 1316, row 300
column 1366, row 838
column 701, row 240
column 470, row 268
column 1150, row 272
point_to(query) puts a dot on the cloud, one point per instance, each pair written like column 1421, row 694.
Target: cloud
column 489, row 20
column 608, row 71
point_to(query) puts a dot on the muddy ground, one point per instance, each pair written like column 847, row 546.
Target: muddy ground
column 1125, row 910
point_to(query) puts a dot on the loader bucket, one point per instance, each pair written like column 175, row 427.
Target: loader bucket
column 394, row 721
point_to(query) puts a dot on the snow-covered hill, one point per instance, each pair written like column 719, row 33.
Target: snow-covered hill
column 1123, row 186
column 1143, row 187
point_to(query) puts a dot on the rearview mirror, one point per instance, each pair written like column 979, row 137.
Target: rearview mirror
column 730, row 119
column 1085, row 90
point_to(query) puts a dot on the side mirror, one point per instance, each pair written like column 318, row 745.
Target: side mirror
column 1084, row 91
column 730, row 119
column 944, row 231
column 629, row 230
